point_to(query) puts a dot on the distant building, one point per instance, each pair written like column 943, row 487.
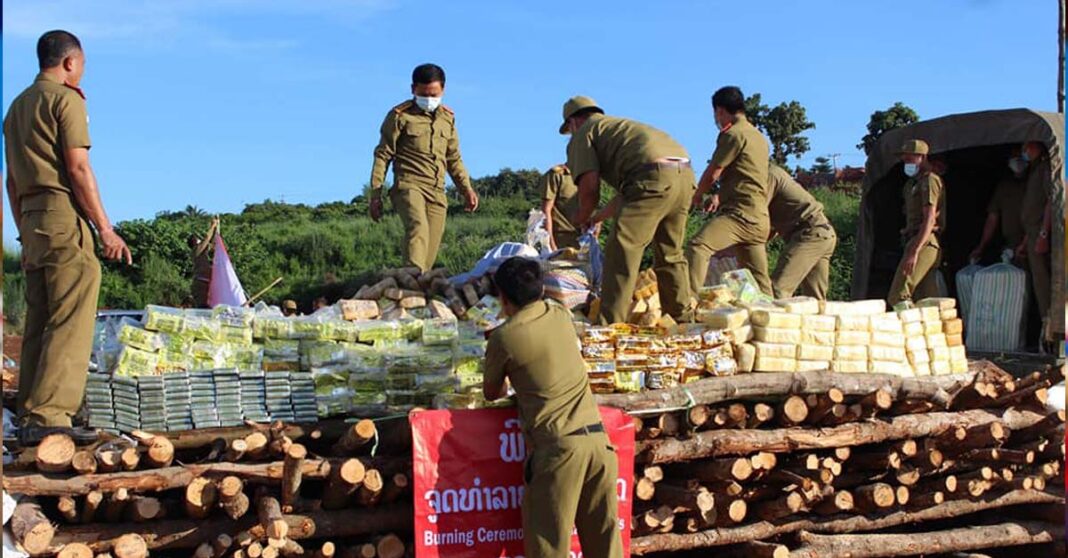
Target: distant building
column 828, row 179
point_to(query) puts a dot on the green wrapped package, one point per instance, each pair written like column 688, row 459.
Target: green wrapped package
column 173, row 361
column 203, row 328
column 139, row 338
column 744, row 286
column 247, row 358
column 367, row 382
column 177, row 342
column 235, row 335
column 401, row 381
column 329, row 378
column 378, row 330
column 369, row 398
column 434, row 383
column 440, row 331
column 272, row 327
column 164, row 319
column 308, row 328
column 421, row 360
column 340, row 330
column 233, row 316
column 135, row 362
column 203, row 364
column 282, row 349
column 316, row 354
column 411, row 330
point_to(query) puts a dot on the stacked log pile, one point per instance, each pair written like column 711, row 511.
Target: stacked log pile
column 809, row 465
column 401, row 290
column 261, row 491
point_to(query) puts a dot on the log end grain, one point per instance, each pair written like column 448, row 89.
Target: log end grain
column 130, row 546
column 54, row 453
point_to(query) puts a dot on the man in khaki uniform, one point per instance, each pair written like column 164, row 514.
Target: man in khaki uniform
column 571, row 468
column 202, row 265
column 1035, row 214
column 798, row 218
column 54, row 198
column 925, row 219
column 560, row 204
column 419, row 138
column 740, row 166
column 1004, row 209
column 652, row 173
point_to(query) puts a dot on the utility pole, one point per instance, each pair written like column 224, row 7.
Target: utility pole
column 835, row 156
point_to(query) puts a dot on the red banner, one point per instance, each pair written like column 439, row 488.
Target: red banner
column 468, row 485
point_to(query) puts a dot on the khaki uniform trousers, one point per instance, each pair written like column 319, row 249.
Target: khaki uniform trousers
column 654, row 211
column 62, row 286
column 726, row 230
column 805, row 262
column 922, row 282
column 1039, row 265
column 572, row 483
column 423, row 216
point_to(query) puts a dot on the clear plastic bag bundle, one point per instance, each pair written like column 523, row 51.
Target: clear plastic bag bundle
column 233, row 316
column 139, row 338
column 440, row 331
column 164, row 319
column 135, row 362
column 744, row 286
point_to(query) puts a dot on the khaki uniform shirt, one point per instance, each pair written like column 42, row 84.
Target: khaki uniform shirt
column 1007, row 203
column 557, row 187
column 790, row 206
column 920, row 192
column 539, row 353
column 1036, row 196
column 422, row 146
column 43, row 121
column 742, row 153
column 617, row 148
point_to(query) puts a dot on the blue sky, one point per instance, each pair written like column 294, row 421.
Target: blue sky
column 218, row 103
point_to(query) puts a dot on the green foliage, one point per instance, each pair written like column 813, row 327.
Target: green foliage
column 332, row 249
column 897, row 116
column 14, row 293
column 784, row 125
column 822, row 166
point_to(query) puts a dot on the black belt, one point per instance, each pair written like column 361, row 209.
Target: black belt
column 591, row 429
column 665, row 164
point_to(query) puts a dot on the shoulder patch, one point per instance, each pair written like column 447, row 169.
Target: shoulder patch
column 403, row 106
column 561, row 169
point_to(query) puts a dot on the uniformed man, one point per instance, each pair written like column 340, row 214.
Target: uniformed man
column 559, row 203
column 54, row 199
column 289, row 308
column 571, row 468
column 798, row 218
column 740, row 166
column 1035, row 215
column 419, row 138
column 925, row 219
column 1004, row 209
column 652, row 173
column 202, row 264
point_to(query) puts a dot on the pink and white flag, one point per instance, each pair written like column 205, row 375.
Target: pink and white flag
column 225, row 286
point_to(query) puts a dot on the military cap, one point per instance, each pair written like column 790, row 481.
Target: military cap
column 575, row 104
column 914, row 147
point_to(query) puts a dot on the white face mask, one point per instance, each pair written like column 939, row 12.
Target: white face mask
column 911, row 169
column 429, row 104
column 1017, row 165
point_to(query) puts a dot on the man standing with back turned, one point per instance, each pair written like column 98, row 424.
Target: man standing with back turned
column 652, row 174
column 419, row 138
column 54, row 198
column 571, row 470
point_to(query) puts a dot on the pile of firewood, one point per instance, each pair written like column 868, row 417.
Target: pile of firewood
column 408, row 288
column 801, row 464
column 261, row 491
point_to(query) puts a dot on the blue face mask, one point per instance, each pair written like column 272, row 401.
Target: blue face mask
column 1025, row 156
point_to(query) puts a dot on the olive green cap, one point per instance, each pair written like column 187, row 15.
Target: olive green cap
column 290, row 305
column 575, row 104
column 914, row 147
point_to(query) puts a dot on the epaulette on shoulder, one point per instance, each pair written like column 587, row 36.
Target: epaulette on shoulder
column 447, row 110
column 403, row 106
column 561, row 169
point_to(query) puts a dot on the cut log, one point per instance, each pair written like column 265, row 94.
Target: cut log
column 129, row 459
column 756, row 549
column 1038, row 429
column 654, row 473
column 159, row 450
column 143, row 508
column 763, row 461
column 652, row 520
column 876, row 402
column 255, row 550
column 996, row 455
column 291, row 549
column 30, row 527
column 68, row 508
column 842, row 454
column 907, row 475
column 774, row 386
column 345, row 478
column 743, row 442
column 780, row 508
column 735, row 468
column 204, row 551
column 76, row 550
column 279, row 446
column 83, row 462
column 395, row 488
column 129, row 545
column 644, row 489
column 737, row 416
column 200, row 498
column 936, row 542
column 116, row 505
column 836, row 524
column 837, row 414
column 912, row 406
column 730, row 511
column 907, row 449
column 232, row 498
column 876, row 460
column 256, row 445
column 839, row 502
column 698, row 416
column 821, row 404
column 874, row 497
column 357, row 436
column 762, row 414
column 269, row 512
column 54, row 454
column 236, row 450
column 326, row 551
column 667, row 424
column 221, row 544
column 291, row 475
column 922, row 499
column 685, row 500
column 792, row 411
column 902, row 495
column 371, row 489
column 91, row 505
column 108, row 461
column 390, row 546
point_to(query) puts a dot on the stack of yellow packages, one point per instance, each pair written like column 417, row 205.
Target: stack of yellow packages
column 852, row 338
column 945, row 340
column 716, row 311
column 777, row 340
column 816, row 348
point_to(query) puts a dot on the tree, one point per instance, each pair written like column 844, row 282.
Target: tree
column 897, row 116
column 193, row 211
column 822, row 166
column 783, row 124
